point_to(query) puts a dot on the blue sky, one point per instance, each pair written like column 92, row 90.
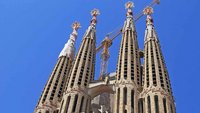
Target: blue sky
column 33, row 32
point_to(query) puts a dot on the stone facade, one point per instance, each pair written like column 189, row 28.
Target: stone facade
column 133, row 88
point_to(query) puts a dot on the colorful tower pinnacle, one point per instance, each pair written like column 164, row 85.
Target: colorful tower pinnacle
column 157, row 94
column 76, row 98
column 128, row 67
column 53, row 90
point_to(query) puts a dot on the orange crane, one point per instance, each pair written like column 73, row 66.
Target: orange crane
column 107, row 42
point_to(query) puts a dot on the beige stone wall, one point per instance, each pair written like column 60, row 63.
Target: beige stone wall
column 53, row 90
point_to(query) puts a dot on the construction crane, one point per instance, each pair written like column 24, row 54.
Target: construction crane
column 104, row 57
column 107, row 42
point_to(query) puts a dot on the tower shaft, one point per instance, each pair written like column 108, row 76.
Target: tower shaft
column 52, row 94
column 76, row 98
column 157, row 94
column 128, row 68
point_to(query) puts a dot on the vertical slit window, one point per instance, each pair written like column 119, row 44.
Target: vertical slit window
column 81, row 107
column 156, row 104
column 118, row 98
column 132, row 100
column 149, row 104
column 164, row 105
column 125, row 96
column 140, row 105
column 139, row 109
column 75, row 102
column 67, row 103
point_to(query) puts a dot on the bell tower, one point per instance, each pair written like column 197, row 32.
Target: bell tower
column 76, row 98
column 157, row 93
column 53, row 90
column 128, row 67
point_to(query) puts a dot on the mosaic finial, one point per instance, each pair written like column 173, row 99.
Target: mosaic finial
column 129, row 5
column 76, row 25
column 94, row 13
column 148, row 10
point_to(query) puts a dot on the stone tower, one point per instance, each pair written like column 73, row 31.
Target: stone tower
column 76, row 98
column 134, row 87
column 128, row 68
column 53, row 90
column 157, row 94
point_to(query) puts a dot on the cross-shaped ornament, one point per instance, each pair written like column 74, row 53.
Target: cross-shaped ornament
column 148, row 11
column 76, row 25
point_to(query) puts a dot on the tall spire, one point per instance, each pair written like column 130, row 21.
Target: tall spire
column 54, row 88
column 76, row 98
column 157, row 90
column 128, row 67
column 129, row 51
column 69, row 48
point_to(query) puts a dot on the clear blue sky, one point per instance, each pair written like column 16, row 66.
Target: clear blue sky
column 33, row 32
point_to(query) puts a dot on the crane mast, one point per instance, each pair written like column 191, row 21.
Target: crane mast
column 104, row 57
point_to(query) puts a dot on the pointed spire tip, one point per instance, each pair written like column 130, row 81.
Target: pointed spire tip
column 94, row 13
column 129, row 5
column 148, row 10
column 76, row 25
